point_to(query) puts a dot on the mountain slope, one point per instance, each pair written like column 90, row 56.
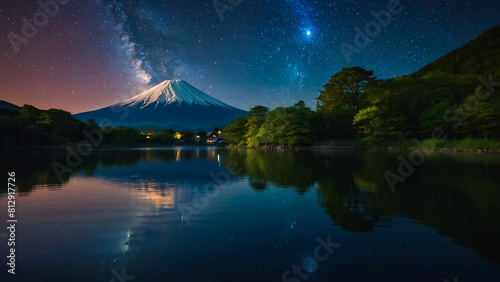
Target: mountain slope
column 480, row 56
column 173, row 104
column 8, row 106
column 172, row 91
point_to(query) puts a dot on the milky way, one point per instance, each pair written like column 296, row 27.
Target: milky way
column 89, row 54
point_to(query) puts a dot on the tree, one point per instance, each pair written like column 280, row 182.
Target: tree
column 256, row 117
column 432, row 118
column 91, row 125
column 61, row 126
column 258, row 111
column 375, row 126
column 480, row 117
column 274, row 129
column 234, row 132
column 290, row 126
column 400, row 102
column 165, row 136
column 126, row 135
column 28, row 114
column 187, row 136
column 340, row 101
column 304, row 125
column 344, row 89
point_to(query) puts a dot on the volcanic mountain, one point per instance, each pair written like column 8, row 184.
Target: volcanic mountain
column 173, row 104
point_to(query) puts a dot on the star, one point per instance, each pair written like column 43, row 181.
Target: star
column 142, row 43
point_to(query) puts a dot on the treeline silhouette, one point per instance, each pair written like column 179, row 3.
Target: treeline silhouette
column 29, row 126
column 355, row 105
column 453, row 98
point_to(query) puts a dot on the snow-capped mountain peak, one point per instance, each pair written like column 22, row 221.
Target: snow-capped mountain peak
column 171, row 91
column 173, row 104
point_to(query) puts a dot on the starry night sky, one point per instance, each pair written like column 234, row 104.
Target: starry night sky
column 94, row 53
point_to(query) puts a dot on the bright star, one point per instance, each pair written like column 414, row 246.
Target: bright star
column 308, row 33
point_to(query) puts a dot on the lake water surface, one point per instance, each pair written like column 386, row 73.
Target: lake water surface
column 212, row 214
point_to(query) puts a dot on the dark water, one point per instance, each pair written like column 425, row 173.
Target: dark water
column 209, row 214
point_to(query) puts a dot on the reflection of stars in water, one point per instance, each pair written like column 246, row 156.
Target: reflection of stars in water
column 127, row 242
column 310, row 264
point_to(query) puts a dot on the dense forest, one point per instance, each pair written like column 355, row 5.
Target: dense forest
column 355, row 105
column 454, row 98
column 29, row 126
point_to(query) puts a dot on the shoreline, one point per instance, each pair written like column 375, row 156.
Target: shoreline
column 269, row 148
column 421, row 149
column 106, row 147
column 373, row 148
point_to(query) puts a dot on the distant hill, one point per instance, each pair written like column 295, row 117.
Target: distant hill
column 480, row 56
column 8, row 106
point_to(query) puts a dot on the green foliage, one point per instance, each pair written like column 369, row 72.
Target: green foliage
column 341, row 100
column 234, row 132
column 484, row 119
column 276, row 128
column 433, row 116
column 187, row 136
column 31, row 126
column 126, row 135
column 29, row 113
column 283, row 126
column 344, row 89
column 374, row 126
column 256, row 117
column 355, row 105
column 258, row 111
column 165, row 137
column 410, row 107
column 91, row 125
column 336, row 124
column 480, row 56
column 474, row 143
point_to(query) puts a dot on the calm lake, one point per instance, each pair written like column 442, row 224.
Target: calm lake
column 213, row 214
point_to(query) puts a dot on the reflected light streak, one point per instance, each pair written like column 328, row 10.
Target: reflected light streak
column 178, row 155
